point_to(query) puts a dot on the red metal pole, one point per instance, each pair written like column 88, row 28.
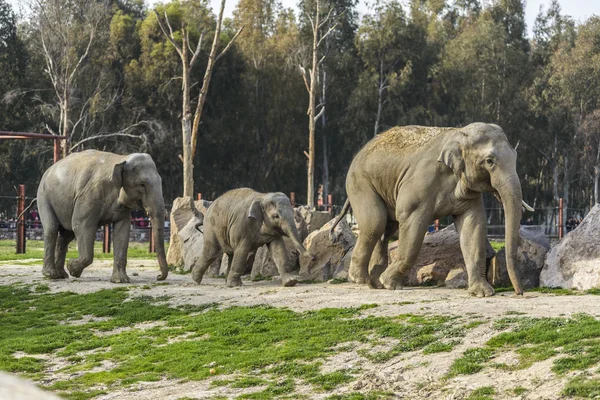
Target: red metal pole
column 106, row 239
column 21, row 220
column 293, row 199
column 330, row 204
column 150, row 239
column 436, row 223
column 199, row 196
column 56, row 150
column 560, row 218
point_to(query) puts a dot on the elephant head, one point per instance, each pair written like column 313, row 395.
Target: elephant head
column 141, row 188
column 480, row 155
column 277, row 216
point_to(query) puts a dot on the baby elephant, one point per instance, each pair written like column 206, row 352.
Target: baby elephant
column 238, row 223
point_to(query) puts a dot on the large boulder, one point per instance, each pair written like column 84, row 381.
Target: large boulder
column 330, row 252
column 439, row 255
column 574, row 263
column 314, row 220
column 183, row 210
column 15, row 388
column 533, row 246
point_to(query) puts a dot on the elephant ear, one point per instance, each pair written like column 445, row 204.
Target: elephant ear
column 117, row 174
column 255, row 210
column 451, row 154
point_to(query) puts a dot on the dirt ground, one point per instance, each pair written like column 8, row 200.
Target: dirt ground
column 410, row 375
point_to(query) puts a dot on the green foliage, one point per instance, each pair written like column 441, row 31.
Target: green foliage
column 483, row 393
column 582, row 387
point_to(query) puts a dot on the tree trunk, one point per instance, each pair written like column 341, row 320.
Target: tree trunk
column 186, row 125
column 323, row 125
column 379, row 99
column 596, row 183
column 314, row 73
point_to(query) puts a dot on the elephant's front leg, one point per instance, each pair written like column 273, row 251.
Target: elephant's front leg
column 238, row 266
column 121, row 231
column 471, row 227
column 280, row 257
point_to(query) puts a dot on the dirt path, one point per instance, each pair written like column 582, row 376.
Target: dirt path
column 411, row 375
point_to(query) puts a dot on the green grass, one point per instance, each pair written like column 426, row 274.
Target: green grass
column 574, row 342
column 583, row 387
column 497, row 245
column 262, row 346
column 35, row 250
column 483, row 393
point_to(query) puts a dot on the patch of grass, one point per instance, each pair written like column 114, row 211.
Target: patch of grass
column 248, row 381
column 483, row 393
column 41, row 289
column 361, row 396
column 337, row 281
column 582, row 387
column 241, row 340
column 259, row 278
column 35, row 250
column 470, row 362
column 440, row 347
column 519, row 390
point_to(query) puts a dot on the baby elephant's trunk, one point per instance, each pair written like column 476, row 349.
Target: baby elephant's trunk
column 290, row 230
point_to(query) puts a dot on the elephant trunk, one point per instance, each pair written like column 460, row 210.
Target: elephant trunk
column 156, row 210
column 290, row 230
column 510, row 193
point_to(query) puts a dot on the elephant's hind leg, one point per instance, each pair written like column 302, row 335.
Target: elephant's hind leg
column 62, row 246
column 210, row 253
column 371, row 215
column 51, row 226
column 379, row 260
column 411, row 234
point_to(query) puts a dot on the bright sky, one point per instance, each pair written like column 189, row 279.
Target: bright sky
column 580, row 10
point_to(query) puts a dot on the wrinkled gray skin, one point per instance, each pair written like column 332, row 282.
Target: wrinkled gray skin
column 89, row 189
column 408, row 176
column 238, row 223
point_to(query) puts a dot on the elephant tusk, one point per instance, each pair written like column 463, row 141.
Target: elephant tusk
column 527, row 206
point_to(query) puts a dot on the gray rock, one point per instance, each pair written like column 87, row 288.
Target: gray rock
column 314, row 220
column 533, row 246
column 574, row 263
column 183, row 210
column 330, row 253
column 439, row 255
column 15, row 388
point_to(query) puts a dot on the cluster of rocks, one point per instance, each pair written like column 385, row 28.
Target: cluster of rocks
column 570, row 264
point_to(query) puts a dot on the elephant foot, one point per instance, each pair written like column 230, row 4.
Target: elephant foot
column 375, row 283
column 196, row 276
column 120, row 278
column 481, row 289
column 391, row 282
column 289, row 281
column 55, row 274
column 234, row 282
column 74, row 270
column 358, row 277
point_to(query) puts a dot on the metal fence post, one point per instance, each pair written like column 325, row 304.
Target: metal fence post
column 436, row 224
column 293, row 199
column 199, row 196
column 56, row 150
column 560, row 218
column 106, row 239
column 151, row 239
column 21, row 221
column 330, row 204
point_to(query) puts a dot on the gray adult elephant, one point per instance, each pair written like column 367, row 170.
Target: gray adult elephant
column 238, row 223
column 92, row 188
column 408, row 176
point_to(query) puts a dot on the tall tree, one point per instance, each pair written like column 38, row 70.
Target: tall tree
column 189, row 131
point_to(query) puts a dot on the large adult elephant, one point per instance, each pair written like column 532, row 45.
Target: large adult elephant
column 92, row 188
column 238, row 223
column 408, row 176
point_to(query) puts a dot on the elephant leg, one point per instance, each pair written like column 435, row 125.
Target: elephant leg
column 280, row 257
column 121, row 231
column 238, row 267
column 50, row 224
column 371, row 215
column 471, row 227
column 86, row 235
column 412, row 229
column 62, row 246
column 379, row 260
column 229, row 261
column 210, row 252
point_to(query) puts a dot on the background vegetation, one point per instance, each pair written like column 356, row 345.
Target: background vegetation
column 428, row 62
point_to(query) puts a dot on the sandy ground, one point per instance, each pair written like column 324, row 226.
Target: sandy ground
column 410, row 376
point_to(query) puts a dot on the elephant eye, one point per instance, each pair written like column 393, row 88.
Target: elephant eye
column 489, row 161
column 275, row 216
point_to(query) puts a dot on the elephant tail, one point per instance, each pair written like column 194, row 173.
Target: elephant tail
column 340, row 216
column 27, row 209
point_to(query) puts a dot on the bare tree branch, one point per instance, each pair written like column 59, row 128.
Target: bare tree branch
column 85, row 54
column 329, row 31
column 320, row 114
column 198, row 47
column 326, row 18
column 303, row 71
column 229, row 44
column 168, row 36
column 105, row 136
